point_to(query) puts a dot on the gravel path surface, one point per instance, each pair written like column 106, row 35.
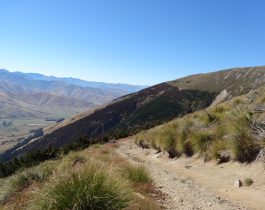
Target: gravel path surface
column 181, row 191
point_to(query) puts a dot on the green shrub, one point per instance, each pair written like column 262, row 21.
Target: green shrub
column 138, row 174
column 94, row 188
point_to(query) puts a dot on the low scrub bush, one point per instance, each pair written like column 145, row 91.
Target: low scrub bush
column 221, row 132
column 217, row 113
column 72, row 159
column 6, row 190
column 94, row 188
column 138, row 174
column 22, row 179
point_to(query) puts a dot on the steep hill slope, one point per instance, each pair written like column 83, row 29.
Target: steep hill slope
column 151, row 106
column 237, row 81
column 234, row 129
column 10, row 108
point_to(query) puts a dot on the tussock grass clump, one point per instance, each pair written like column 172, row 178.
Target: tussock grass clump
column 238, row 100
column 167, row 137
column 78, row 159
column 96, row 145
column 153, row 138
column 70, row 160
column 183, row 145
column 138, row 174
column 80, row 180
column 262, row 100
column 221, row 108
column 216, row 149
column 167, row 140
column 94, row 187
column 217, row 113
column 201, row 116
column 248, row 181
column 243, row 143
column 201, row 141
column 243, row 147
column 22, row 179
column 230, row 130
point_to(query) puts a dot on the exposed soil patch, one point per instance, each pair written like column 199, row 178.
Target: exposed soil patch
column 189, row 183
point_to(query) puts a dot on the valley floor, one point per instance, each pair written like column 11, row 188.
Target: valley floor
column 189, row 183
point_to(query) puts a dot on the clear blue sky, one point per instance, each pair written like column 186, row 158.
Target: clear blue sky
column 130, row 41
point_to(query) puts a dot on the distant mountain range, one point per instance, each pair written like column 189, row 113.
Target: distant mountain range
column 78, row 82
column 151, row 106
column 37, row 95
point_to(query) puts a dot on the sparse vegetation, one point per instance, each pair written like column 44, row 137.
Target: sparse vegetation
column 243, row 146
column 94, row 178
column 22, row 179
column 137, row 174
column 201, row 141
column 226, row 131
column 248, row 181
column 94, row 187
column 28, row 160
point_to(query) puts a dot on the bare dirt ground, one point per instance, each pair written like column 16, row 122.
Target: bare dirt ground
column 189, row 183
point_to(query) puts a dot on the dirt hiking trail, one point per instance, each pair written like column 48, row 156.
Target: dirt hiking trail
column 189, row 183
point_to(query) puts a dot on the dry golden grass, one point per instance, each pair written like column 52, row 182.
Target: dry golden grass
column 226, row 127
column 75, row 162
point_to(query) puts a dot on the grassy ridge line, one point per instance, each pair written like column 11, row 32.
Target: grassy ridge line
column 231, row 130
column 95, row 178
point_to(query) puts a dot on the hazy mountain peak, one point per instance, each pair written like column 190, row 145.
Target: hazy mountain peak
column 46, row 92
column 74, row 81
